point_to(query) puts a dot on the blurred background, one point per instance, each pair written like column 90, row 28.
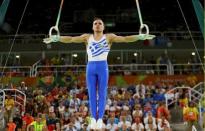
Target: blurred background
column 166, row 72
column 163, row 18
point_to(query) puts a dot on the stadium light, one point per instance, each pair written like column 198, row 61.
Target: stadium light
column 135, row 54
column 75, row 55
column 193, row 53
column 17, row 56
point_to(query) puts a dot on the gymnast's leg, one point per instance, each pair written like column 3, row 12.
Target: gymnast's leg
column 102, row 89
column 91, row 80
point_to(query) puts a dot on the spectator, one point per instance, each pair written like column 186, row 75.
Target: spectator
column 149, row 108
column 163, row 124
column 23, row 87
column 162, row 111
column 11, row 126
column 124, row 124
column 191, row 115
column 27, row 118
column 52, row 122
column 49, row 97
column 69, row 127
column 83, row 110
column 9, row 105
column 56, row 60
column 159, row 95
column 66, row 116
column 38, row 124
column 137, row 125
column 140, row 89
column 112, row 122
column 75, row 101
column 61, row 109
column 18, row 121
column 150, row 122
column 40, row 97
column 183, row 100
column 137, row 112
column 85, row 127
column 125, row 114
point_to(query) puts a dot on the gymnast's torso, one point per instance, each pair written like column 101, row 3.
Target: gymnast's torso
column 97, row 50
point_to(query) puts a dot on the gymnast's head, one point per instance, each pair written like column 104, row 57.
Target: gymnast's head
column 98, row 25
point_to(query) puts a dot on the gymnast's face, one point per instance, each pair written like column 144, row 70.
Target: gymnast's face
column 98, row 26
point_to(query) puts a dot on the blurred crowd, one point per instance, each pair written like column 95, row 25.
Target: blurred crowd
column 134, row 108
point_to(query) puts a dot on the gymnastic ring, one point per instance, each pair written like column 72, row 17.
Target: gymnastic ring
column 144, row 26
column 54, row 28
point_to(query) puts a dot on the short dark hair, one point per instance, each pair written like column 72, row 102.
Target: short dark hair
column 97, row 18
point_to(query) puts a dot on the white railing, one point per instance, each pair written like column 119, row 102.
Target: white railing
column 19, row 97
column 2, row 98
column 129, row 68
column 188, row 68
column 57, row 69
column 170, row 98
column 183, row 35
column 23, row 36
column 2, row 102
column 33, row 68
column 165, row 69
column 194, row 128
column 200, row 87
column 121, row 68
column 15, row 71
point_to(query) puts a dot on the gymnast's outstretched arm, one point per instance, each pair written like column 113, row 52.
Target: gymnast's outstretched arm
column 131, row 38
column 74, row 39
column 67, row 39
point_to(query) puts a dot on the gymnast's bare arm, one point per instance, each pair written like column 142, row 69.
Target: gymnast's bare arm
column 74, row 39
column 67, row 39
column 131, row 38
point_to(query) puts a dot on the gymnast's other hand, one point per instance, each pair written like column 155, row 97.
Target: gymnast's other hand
column 146, row 36
column 52, row 38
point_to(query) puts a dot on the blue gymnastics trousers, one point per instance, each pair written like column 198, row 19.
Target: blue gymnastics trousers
column 97, row 83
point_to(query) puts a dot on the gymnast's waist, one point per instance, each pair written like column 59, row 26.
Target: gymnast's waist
column 97, row 62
